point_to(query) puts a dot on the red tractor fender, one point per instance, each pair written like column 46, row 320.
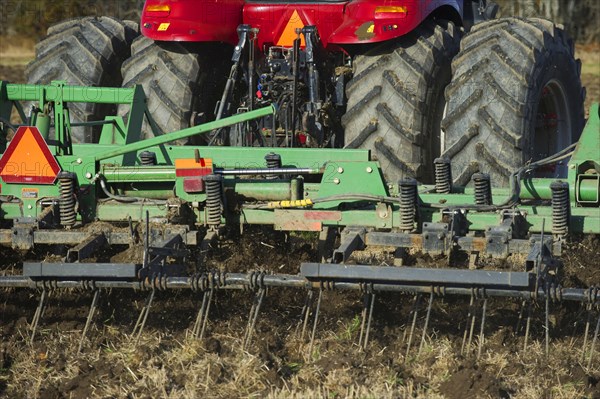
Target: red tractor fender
column 338, row 23
column 369, row 21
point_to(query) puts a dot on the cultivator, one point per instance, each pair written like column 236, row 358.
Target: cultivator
column 149, row 204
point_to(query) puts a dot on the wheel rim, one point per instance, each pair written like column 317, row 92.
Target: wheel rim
column 553, row 130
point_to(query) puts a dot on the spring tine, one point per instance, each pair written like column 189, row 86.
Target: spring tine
column 306, row 312
column 37, row 315
column 200, row 316
column 547, row 325
column 464, row 341
column 587, row 330
column 141, row 321
column 520, row 319
column 370, row 318
column 314, row 330
column 472, row 327
column 412, row 327
column 364, row 319
column 482, row 332
column 594, row 343
column 90, row 316
column 431, row 297
column 527, row 326
column 250, row 316
column 206, row 312
column 260, row 298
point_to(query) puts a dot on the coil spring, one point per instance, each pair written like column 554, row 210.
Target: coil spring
column 214, row 205
column 273, row 162
column 443, row 175
column 561, row 207
column 66, row 183
column 408, row 203
column 148, row 158
column 483, row 191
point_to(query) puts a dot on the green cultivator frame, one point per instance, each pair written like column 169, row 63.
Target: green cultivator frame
column 165, row 199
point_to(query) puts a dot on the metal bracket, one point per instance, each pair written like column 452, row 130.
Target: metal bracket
column 352, row 238
column 86, row 248
column 497, row 238
column 22, row 237
column 436, row 238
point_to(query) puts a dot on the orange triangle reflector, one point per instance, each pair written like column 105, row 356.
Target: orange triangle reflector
column 289, row 33
column 28, row 159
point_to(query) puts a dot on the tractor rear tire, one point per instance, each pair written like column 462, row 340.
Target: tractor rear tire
column 84, row 52
column 396, row 100
column 180, row 80
column 515, row 96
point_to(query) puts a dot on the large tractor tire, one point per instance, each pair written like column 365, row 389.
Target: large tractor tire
column 515, row 96
column 182, row 81
column 84, row 52
column 396, row 100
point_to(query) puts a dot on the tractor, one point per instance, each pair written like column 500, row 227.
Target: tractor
column 411, row 81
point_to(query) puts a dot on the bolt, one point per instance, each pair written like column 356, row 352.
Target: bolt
column 440, row 236
column 79, row 161
column 369, row 169
column 336, row 181
column 29, row 207
column 426, row 236
column 88, row 175
column 340, row 170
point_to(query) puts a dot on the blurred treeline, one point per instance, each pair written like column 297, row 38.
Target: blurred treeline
column 32, row 17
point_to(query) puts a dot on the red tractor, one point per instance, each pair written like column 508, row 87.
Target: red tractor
column 409, row 80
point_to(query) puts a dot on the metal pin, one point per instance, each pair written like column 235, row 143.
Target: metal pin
column 469, row 315
column 594, row 343
column 37, row 315
column 426, row 322
column 141, row 321
column 90, row 316
column 412, row 327
column 206, row 312
column 520, row 319
column 481, row 334
column 364, row 319
column 472, row 327
column 312, row 336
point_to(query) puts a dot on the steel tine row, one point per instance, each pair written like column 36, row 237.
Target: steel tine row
column 202, row 317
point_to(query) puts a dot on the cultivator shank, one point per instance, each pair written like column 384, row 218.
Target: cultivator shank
column 156, row 208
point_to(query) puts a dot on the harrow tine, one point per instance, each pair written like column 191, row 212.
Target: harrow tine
column 141, row 321
column 587, row 330
column 202, row 314
column 414, row 322
column 206, row 312
column 254, row 310
column 367, row 316
column 93, row 308
column 472, row 327
column 314, row 329
column 527, row 326
column 424, row 335
column 469, row 317
column 482, row 332
column 547, row 325
column 306, row 312
column 520, row 319
column 38, row 314
column 594, row 343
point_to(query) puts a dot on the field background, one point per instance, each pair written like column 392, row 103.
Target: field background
column 167, row 363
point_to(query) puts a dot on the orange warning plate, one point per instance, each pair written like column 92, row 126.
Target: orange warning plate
column 289, row 32
column 28, row 159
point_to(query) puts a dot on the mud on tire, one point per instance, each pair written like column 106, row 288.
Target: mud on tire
column 396, row 102
column 515, row 96
column 178, row 79
column 84, row 52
